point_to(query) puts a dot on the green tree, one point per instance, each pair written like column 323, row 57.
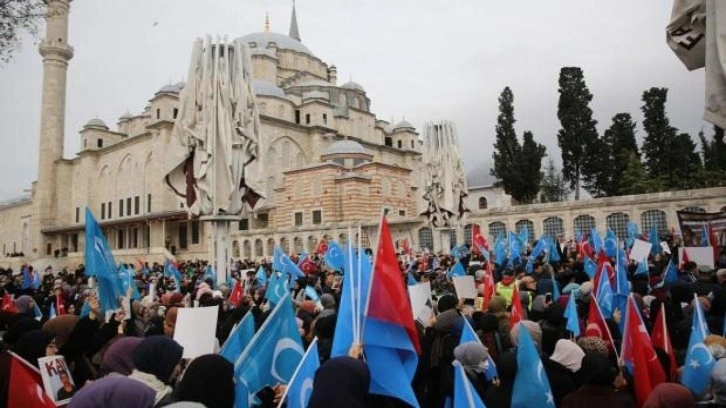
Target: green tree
column 635, row 179
column 578, row 136
column 553, row 186
column 618, row 143
column 686, row 170
column 16, row 17
column 714, row 158
column 529, row 166
column 659, row 134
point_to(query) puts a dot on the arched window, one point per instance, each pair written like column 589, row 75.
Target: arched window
column 235, row 249
column 425, row 238
column 525, row 224
column 285, row 246
column 496, row 228
column 270, row 246
column 694, row 209
column 469, row 234
column 247, row 249
column 343, row 239
column 584, row 223
column 285, row 155
column 618, row 222
column 482, row 203
column 655, row 218
column 312, row 244
column 452, row 237
column 553, row 226
column 297, row 245
column 258, row 247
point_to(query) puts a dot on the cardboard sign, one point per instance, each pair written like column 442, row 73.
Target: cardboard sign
column 57, row 379
column 420, row 295
column 665, row 247
column 699, row 255
column 640, row 250
column 465, row 287
column 195, row 330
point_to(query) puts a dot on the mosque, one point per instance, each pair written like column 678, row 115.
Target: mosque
column 334, row 165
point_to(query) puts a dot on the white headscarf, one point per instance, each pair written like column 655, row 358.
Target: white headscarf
column 568, row 354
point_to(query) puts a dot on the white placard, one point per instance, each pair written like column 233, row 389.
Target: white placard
column 699, row 255
column 57, row 380
column 640, row 250
column 195, row 330
column 665, row 247
column 420, row 295
column 465, row 287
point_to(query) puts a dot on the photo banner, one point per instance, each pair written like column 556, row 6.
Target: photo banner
column 693, row 223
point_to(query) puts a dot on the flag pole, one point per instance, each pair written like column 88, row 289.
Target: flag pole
column 297, row 371
column 358, row 299
column 351, row 284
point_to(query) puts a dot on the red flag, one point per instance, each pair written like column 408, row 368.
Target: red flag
column 388, row 299
column 480, row 242
column 60, row 306
column 638, row 353
column 662, row 340
column 322, row 247
column 683, row 261
column 597, row 326
column 308, row 266
column 489, row 285
column 235, row 297
column 8, row 304
column 406, row 246
column 25, row 386
column 609, row 270
column 517, row 315
column 585, row 248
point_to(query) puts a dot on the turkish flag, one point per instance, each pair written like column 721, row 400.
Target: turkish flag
column 8, row 304
column 59, row 305
column 489, row 285
column 308, row 266
column 517, row 314
column 638, row 353
column 235, row 297
column 26, row 386
column 597, row 326
column 662, row 340
column 322, row 247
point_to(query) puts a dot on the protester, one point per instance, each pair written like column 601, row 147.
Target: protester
column 208, row 380
column 118, row 358
column 157, row 364
column 114, row 392
column 341, row 382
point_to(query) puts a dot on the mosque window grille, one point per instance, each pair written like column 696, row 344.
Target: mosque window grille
column 258, row 247
column 482, row 203
column 426, row 238
column 496, row 229
column 525, row 224
column 270, row 246
column 452, row 237
column 584, row 223
column 553, row 227
column 618, row 223
column 656, row 218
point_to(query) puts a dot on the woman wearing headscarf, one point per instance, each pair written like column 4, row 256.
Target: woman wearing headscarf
column 498, row 307
column 25, row 305
column 553, row 327
column 156, row 359
column 718, row 385
column 598, row 392
column 35, row 344
column 113, row 392
column 208, row 380
column 118, row 358
column 341, row 382
column 473, row 357
column 501, row 396
column 669, row 395
column 10, row 338
column 561, row 368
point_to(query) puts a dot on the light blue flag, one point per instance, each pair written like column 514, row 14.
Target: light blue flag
column 642, row 267
column 352, row 302
column 578, row 236
column 410, row 280
column 37, row 314
column 604, row 295
column 671, row 273
column 622, row 286
column 290, row 268
column 500, row 250
column 277, row 289
column 238, row 339
column 261, row 276
column 30, row 280
column 531, row 386
column 52, row 314
column 699, row 361
column 301, row 384
column 457, row 270
column 541, row 245
column 632, row 233
column 597, row 242
column 523, row 238
column 554, row 253
column 312, row 294
column 277, row 259
column 101, row 265
column 555, row 289
column 334, row 257
column 174, row 273
column 704, row 236
column 126, row 277
column 271, row 357
column 655, row 248
column 464, row 394
column 85, row 310
column 610, row 245
column 303, row 257
column 590, row 268
column 209, row 273
column 467, row 335
column 573, row 323
column 514, row 246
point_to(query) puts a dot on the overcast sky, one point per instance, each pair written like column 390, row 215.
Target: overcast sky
column 425, row 60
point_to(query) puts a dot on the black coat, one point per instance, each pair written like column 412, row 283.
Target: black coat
column 562, row 380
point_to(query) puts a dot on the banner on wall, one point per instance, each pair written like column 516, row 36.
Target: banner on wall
column 697, row 227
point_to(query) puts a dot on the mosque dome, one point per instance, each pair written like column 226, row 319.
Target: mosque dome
column 171, row 88
column 404, row 124
column 180, row 85
column 266, row 88
column 125, row 116
column 283, row 42
column 353, row 86
column 96, row 123
column 343, row 147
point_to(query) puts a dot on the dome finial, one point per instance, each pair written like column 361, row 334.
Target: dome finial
column 294, row 31
column 267, row 22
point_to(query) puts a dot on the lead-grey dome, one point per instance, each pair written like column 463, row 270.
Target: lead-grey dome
column 353, row 85
column 97, row 123
column 283, row 42
column 345, row 147
column 171, row 88
column 404, row 124
column 262, row 87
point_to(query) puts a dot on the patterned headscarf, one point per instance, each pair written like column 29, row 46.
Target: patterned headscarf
column 592, row 344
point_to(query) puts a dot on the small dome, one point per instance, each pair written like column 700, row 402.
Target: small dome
column 262, row 87
column 404, row 124
column 125, row 116
column 168, row 89
column 345, row 147
column 180, row 85
column 97, row 123
column 353, row 85
column 282, row 41
column 315, row 95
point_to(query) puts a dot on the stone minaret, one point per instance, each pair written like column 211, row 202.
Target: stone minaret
column 56, row 53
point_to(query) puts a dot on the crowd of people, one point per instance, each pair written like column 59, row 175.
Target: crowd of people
column 130, row 358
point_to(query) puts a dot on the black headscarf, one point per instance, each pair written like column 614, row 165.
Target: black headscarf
column 31, row 345
column 208, row 380
column 20, row 327
column 447, row 302
column 555, row 314
column 158, row 355
column 596, row 370
column 341, row 382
